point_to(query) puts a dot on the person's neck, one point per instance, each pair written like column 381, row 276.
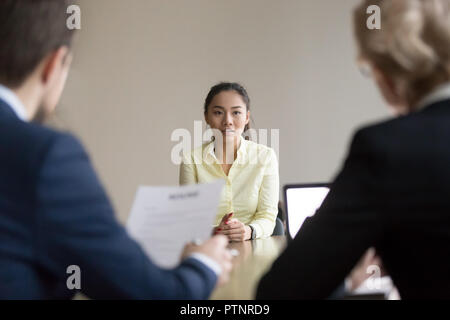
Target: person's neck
column 29, row 95
column 438, row 93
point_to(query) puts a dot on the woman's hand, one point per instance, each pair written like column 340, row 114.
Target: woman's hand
column 236, row 230
column 222, row 223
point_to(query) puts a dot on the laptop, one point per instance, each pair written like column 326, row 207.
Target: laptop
column 301, row 202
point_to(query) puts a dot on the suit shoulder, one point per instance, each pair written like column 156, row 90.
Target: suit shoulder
column 53, row 139
column 32, row 134
column 28, row 144
column 388, row 135
column 64, row 147
column 388, row 125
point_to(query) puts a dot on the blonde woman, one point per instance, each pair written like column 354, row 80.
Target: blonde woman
column 393, row 190
column 249, row 202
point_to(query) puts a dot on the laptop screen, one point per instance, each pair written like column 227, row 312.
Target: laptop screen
column 301, row 202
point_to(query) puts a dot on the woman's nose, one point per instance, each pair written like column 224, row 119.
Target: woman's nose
column 227, row 119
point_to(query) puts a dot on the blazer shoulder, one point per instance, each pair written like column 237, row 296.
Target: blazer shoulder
column 385, row 126
column 54, row 140
column 391, row 139
column 27, row 145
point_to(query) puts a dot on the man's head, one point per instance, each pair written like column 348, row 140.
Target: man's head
column 35, row 51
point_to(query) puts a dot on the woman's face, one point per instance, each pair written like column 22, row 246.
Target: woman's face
column 228, row 113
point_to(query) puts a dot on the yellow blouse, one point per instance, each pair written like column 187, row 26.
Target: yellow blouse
column 251, row 191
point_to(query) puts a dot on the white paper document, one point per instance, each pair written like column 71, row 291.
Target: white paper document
column 164, row 219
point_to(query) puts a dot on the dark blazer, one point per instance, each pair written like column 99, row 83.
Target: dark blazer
column 393, row 193
column 54, row 213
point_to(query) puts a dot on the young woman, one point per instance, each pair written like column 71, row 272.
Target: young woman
column 249, row 202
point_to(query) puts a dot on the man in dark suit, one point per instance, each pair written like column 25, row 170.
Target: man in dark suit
column 393, row 190
column 54, row 213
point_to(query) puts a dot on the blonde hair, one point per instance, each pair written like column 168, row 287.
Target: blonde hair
column 412, row 46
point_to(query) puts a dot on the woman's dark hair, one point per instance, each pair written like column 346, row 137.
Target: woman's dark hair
column 228, row 86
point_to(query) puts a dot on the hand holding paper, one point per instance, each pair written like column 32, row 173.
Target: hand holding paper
column 216, row 249
column 164, row 219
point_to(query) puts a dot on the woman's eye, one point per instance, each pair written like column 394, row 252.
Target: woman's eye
column 237, row 113
column 217, row 113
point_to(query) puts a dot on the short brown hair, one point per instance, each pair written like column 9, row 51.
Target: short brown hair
column 29, row 30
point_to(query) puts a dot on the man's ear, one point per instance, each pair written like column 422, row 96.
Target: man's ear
column 53, row 64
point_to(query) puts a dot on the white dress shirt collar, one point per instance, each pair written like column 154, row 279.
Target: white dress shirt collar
column 14, row 102
column 441, row 93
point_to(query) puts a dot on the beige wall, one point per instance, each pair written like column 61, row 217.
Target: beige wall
column 142, row 68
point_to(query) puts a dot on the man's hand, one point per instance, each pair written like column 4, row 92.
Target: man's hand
column 216, row 249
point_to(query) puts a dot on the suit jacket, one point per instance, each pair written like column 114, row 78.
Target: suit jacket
column 54, row 213
column 393, row 193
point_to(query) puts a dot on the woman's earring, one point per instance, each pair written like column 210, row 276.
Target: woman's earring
column 208, row 127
